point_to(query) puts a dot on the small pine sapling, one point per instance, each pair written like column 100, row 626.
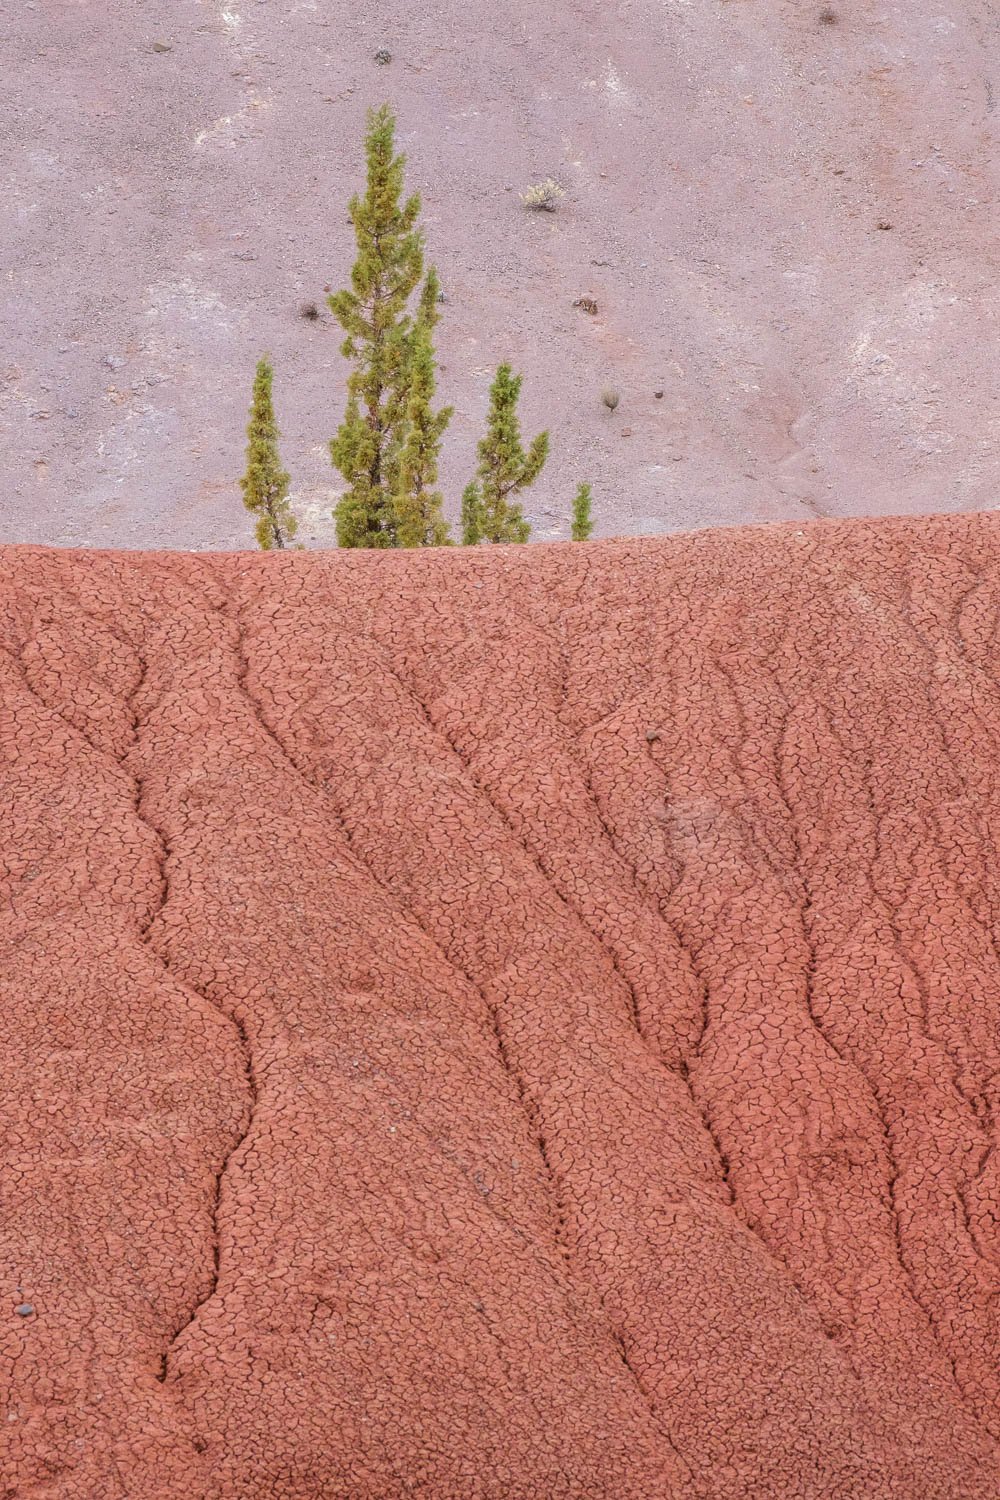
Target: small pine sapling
column 265, row 483
column 472, row 520
column 582, row 523
column 415, row 504
column 504, row 468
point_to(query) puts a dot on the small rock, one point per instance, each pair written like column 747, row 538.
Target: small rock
column 586, row 304
column 652, row 735
column 163, row 47
column 25, row 1309
column 112, row 362
column 383, row 56
column 658, row 395
column 883, row 224
column 626, row 432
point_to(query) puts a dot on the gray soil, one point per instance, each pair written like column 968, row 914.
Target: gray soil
column 175, row 182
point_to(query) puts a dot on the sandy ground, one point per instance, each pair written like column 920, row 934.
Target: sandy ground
column 511, row 1025
column 727, row 165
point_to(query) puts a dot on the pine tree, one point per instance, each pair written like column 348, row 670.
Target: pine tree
column 504, row 469
column 265, row 483
column 392, row 354
column 582, row 523
column 415, row 504
column 472, row 519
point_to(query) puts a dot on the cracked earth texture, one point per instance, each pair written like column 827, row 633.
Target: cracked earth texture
column 505, row 1024
column 175, row 183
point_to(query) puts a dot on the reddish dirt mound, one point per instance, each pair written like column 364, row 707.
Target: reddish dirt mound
column 512, row 1024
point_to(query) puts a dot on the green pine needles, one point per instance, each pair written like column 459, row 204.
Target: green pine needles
column 416, row 505
column 490, row 512
column 582, row 523
column 472, row 516
column 387, row 446
column 265, row 483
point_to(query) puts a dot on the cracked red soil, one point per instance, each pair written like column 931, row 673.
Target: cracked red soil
column 504, row 1024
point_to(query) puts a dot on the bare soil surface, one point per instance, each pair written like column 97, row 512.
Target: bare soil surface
column 517, row 1024
column 787, row 224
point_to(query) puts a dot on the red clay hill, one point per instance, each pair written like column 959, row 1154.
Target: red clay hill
column 515, row 1023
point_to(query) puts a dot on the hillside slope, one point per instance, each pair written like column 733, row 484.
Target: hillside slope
column 515, row 1023
column 727, row 166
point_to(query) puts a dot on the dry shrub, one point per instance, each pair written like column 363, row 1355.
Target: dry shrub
column 543, row 197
